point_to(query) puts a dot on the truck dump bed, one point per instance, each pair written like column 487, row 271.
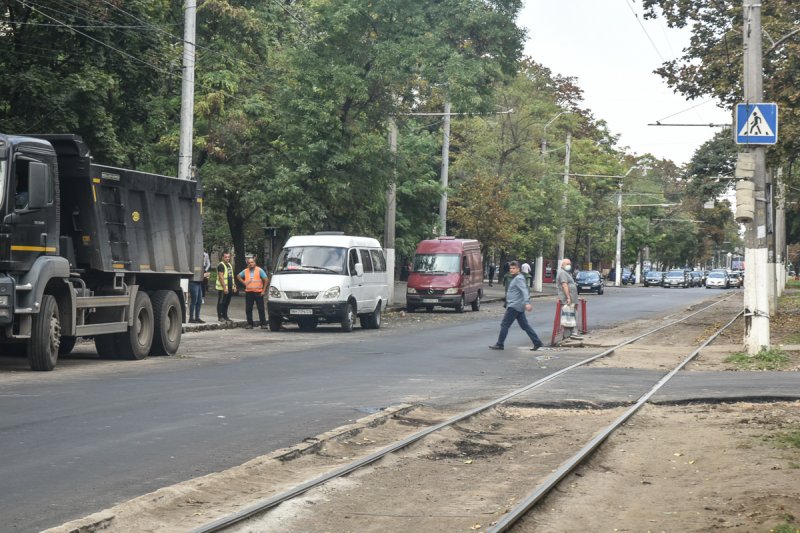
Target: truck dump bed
column 126, row 221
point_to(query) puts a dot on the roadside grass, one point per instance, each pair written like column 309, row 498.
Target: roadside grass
column 785, row 528
column 772, row 359
column 793, row 284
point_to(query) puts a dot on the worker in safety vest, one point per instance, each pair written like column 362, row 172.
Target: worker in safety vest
column 255, row 284
column 225, row 287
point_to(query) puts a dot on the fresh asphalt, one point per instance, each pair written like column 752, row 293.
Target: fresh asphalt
column 77, row 442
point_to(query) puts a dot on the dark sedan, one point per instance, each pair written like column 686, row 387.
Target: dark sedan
column 589, row 281
column 654, row 277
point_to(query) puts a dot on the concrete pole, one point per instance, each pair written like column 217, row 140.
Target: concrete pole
column 780, row 234
column 772, row 292
column 562, row 232
column 538, row 273
column 391, row 210
column 618, row 258
column 756, row 299
column 187, row 92
column 445, row 164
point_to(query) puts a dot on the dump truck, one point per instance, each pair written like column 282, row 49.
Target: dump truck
column 91, row 251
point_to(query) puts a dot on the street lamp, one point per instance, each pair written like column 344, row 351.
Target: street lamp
column 618, row 258
column 544, row 134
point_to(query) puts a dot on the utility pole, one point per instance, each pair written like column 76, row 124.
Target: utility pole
column 562, row 232
column 391, row 209
column 756, row 293
column 445, row 164
column 187, row 92
column 618, row 257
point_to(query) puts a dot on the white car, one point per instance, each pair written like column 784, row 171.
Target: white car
column 718, row 279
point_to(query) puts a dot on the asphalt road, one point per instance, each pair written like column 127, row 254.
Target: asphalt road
column 93, row 433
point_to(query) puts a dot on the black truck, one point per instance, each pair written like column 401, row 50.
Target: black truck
column 91, row 251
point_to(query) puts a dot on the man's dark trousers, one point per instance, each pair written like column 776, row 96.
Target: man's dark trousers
column 509, row 318
column 249, row 299
column 223, row 301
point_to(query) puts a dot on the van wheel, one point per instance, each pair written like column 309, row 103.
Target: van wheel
column 168, row 323
column 348, row 319
column 45, row 336
column 460, row 305
column 476, row 303
column 275, row 322
column 372, row 320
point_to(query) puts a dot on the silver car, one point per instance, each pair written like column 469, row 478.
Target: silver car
column 717, row 279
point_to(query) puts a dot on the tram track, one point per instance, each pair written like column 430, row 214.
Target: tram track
column 509, row 518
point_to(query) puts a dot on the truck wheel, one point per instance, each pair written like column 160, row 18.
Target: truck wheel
column 45, row 336
column 275, row 322
column 476, row 303
column 460, row 305
column 167, row 319
column 136, row 342
column 348, row 318
column 66, row 346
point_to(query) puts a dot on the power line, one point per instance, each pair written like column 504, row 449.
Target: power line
column 636, row 15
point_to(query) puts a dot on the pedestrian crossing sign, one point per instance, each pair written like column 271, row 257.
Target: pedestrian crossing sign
column 756, row 123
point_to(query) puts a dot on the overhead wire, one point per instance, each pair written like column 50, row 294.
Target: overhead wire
column 647, row 34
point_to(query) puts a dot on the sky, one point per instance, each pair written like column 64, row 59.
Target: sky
column 603, row 45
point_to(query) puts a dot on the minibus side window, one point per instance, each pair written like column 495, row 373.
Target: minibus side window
column 352, row 261
column 367, row 260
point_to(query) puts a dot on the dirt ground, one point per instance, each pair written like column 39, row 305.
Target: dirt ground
column 699, row 467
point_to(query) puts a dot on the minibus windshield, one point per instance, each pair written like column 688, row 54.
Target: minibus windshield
column 323, row 259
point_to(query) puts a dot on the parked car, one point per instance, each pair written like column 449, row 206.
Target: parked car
column 717, row 278
column 626, row 277
column 589, row 281
column 677, row 278
column 736, row 278
column 696, row 278
column 654, row 277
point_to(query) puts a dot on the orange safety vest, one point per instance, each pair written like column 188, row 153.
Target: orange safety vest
column 253, row 282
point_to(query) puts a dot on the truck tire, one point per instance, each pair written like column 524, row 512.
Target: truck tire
column 168, row 322
column 348, row 318
column 45, row 336
column 66, row 346
column 136, row 342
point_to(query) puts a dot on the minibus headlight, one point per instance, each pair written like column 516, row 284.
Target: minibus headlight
column 411, row 290
column 273, row 292
column 331, row 293
column 451, row 290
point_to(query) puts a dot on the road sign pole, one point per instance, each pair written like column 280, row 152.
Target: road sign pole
column 756, row 299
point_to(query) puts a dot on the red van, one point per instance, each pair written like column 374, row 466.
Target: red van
column 447, row 272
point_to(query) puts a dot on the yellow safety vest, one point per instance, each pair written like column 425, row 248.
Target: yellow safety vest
column 228, row 277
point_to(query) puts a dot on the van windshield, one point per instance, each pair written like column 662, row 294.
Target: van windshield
column 322, row 259
column 437, row 263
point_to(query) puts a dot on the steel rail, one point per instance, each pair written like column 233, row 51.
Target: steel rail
column 263, row 505
column 567, row 466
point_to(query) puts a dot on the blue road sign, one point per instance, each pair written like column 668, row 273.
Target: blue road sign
column 756, row 123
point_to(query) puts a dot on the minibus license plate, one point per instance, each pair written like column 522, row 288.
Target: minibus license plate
column 301, row 311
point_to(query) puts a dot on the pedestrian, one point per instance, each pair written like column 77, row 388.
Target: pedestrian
column 255, row 284
column 517, row 303
column 492, row 268
column 225, row 287
column 195, row 301
column 525, row 268
column 567, row 292
column 206, row 273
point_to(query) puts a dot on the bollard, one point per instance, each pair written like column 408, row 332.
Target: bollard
column 584, row 327
column 556, row 323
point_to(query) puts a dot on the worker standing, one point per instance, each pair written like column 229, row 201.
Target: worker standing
column 255, row 284
column 225, row 287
